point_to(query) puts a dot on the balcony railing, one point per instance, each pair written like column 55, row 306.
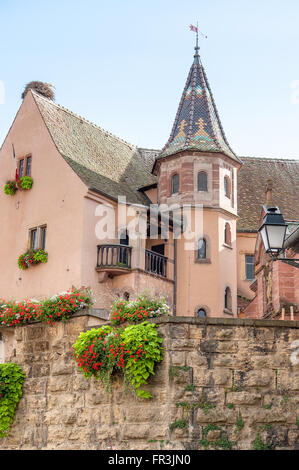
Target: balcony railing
column 114, row 256
column 155, row 263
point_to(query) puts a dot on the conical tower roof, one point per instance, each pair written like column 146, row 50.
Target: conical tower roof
column 197, row 124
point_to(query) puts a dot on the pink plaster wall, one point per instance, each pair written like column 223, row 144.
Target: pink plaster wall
column 56, row 199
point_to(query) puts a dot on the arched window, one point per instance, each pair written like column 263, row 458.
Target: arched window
column 227, row 235
column 227, row 187
column 201, row 313
column 228, row 299
column 127, row 296
column 202, row 181
column 202, row 249
column 175, row 183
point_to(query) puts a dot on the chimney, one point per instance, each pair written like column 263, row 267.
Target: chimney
column 269, row 187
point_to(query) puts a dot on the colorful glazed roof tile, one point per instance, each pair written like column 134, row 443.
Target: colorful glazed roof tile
column 197, row 124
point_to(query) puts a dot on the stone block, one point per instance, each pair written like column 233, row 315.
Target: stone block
column 34, row 332
column 62, row 368
column 196, row 359
column 59, row 384
column 244, row 398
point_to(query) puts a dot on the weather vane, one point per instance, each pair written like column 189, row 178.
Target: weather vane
column 196, row 30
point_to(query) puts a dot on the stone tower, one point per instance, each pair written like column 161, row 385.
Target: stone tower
column 198, row 167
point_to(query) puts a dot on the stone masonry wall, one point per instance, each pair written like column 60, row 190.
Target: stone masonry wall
column 223, row 383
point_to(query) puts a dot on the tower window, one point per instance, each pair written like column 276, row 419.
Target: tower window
column 201, row 313
column 249, row 266
column 175, row 183
column 227, row 186
column 202, row 181
column 228, row 299
column 227, row 235
column 202, row 249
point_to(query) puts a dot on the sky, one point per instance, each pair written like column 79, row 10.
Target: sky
column 123, row 64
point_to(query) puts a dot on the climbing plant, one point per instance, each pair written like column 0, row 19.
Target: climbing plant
column 11, row 389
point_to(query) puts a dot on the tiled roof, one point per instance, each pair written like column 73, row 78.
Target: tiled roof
column 197, row 124
column 252, row 181
column 103, row 161
column 114, row 167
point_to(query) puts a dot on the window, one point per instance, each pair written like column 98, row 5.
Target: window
column 37, row 238
column 123, row 252
column 228, row 299
column 202, row 181
column 227, row 187
column 175, row 182
column 33, row 239
column 201, row 313
column 21, row 167
column 28, row 166
column 43, row 233
column 249, row 266
column 202, row 249
column 227, row 235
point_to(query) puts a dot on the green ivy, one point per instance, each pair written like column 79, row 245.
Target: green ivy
column 133, row 350
column 11, row 382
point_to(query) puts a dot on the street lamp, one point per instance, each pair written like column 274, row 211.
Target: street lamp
column 273, row 231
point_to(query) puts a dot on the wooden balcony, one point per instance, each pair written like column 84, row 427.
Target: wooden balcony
column 114, row 259
column 155, row 263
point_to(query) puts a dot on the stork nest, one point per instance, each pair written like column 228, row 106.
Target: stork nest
column 44, row 89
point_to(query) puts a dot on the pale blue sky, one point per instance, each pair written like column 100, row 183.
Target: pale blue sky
column 123, row 64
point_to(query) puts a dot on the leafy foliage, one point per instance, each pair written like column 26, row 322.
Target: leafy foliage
column 10, row 188
column 180, row 424
column 259, row 444
column 134, row 350
column 25, row 182
column 58, row 307
column 32, row 257
column 11, row 382
column 140, row 309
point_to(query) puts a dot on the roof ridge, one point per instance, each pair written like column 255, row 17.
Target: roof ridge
column 271, row 159
column 82, row 118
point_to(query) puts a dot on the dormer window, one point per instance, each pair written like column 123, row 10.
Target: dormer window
column 175, row 183
column 202, row 181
